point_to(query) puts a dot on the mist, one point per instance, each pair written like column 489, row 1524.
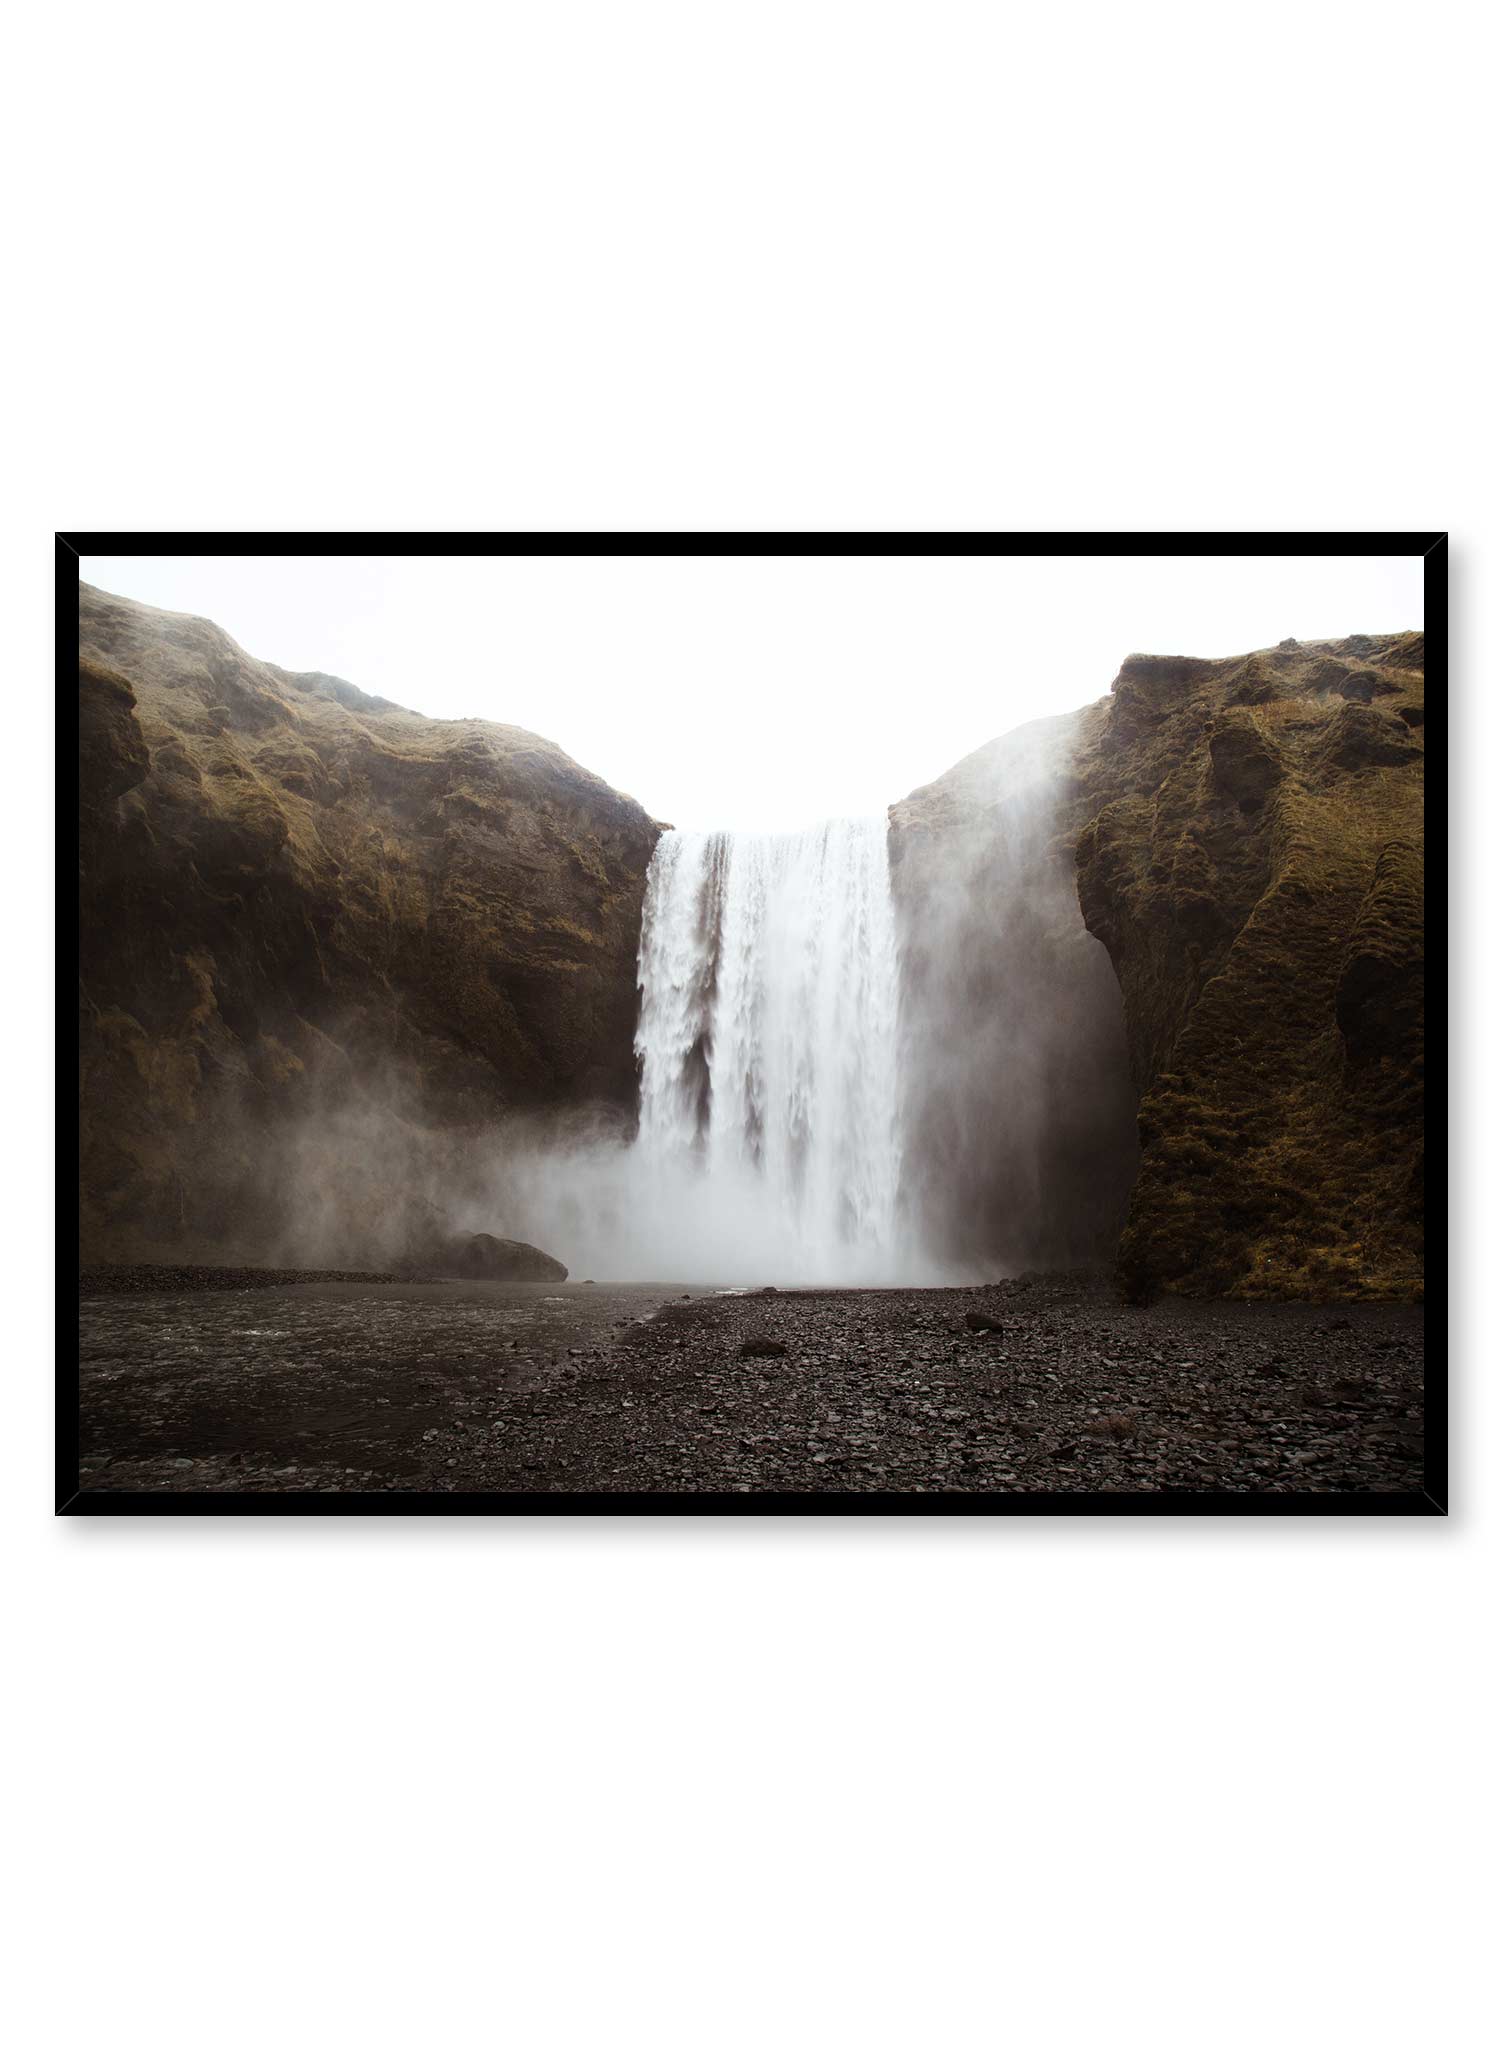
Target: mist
column 881, row 1052
column 1017, row 1108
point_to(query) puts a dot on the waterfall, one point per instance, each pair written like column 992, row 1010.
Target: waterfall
column 768, row 1042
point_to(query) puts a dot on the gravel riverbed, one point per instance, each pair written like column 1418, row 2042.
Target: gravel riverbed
column 1039, row 1385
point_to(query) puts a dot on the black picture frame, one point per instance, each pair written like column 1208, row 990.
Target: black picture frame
column 1431, row 1499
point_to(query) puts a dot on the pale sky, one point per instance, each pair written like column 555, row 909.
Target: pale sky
column 761, row 692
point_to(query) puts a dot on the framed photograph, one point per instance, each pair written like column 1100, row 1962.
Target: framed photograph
column 843, row 1024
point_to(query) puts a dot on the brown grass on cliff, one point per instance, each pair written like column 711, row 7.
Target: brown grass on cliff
column 1252, row 858
column 293, row 894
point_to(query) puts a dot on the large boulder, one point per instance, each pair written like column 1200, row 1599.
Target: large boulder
column 483, row 1257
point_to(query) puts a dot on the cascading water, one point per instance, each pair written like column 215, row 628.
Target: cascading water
column 768, row 1042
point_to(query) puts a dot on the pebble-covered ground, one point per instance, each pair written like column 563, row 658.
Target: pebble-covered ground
column 205, row 1279
column 1031, row 1386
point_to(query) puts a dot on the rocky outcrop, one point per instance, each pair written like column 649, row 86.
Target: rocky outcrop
column 483, row 1257
column 305, row 912
column 1244, row 838
column 1252, row 859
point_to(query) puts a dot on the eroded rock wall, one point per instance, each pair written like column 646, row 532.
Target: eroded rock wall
column 1252, row 859
column 308, row 911
column 1245, row 840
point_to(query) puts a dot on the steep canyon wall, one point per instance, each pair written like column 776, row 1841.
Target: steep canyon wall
column 1252, row 859
column 1161, row 971
column 1245, row 840
column 317, row 932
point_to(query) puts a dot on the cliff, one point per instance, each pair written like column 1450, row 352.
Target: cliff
column 1162, row 968
column 1252, row 858
column 301, row 905
column 1246, row 842
column 1244, row 838
column 1018, row 1103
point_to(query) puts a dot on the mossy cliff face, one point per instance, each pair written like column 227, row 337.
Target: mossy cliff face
column 1251, row 856
column 296, row 899
column 1244, row 838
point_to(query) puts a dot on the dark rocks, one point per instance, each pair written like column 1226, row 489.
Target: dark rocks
column 981, row 1323
column 1367, row 683
column 93, row 1280
column 483, row 1257
column 1355, row 685
column 865, row 1392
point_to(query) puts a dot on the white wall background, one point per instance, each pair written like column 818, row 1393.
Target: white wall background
column 682, row 1783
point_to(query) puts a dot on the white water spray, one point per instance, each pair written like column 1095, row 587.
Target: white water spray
column 768, row 1041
